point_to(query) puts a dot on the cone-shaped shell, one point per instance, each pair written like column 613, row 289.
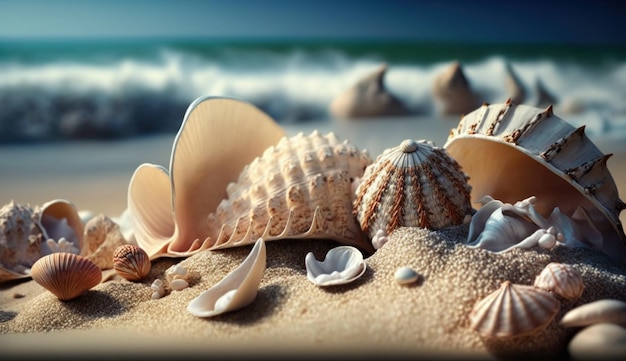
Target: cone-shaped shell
column 512, row 152
column 217, row 138
column 131, row 262
column 237, row 290
column 513, row 310
column 562, row 279
column 414, row 184
column 66, row 275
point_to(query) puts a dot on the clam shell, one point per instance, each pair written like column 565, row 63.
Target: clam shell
column 513, row 310
column 131, row 262
column 562, row 279
column 59, row 218
column 235, row 291
column 414, row 184
column 600, row 311
column 602, row 341
column 341, row 265
column 66, row 275
column 512, row 152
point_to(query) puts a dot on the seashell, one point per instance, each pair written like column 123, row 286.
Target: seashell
column 341, row 265
column 131, row 262
column 414, row 184
column 102, row 237
column 405, row 275
column 562, row 279
column 513, row 310
column 512, row 152
column 379, row 239
column 59, row 218
column 452, row 92
column 66, row 275
column 514, row 85
column 179, row 284
column 159, row 289
column 600, row 311
column 601, row 341
column 235, row 291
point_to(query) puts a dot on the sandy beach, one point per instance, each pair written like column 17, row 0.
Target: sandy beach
column 370, row 318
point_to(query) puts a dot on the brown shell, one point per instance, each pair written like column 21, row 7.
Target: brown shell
column 131, row 262
column 66, row 275
column 562, row 279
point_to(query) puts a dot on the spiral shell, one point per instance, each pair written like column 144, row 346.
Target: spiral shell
column 415, row 184
column 21, row 238
column 513, row 310
column 561, row 279
column 131, row 262
column 66, row 275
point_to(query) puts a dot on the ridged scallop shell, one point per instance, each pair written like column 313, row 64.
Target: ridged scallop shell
column 414, row 184
column 512, row 152
column 513, row 310
column 131, row 262
column 562, row 279
column 66, row 275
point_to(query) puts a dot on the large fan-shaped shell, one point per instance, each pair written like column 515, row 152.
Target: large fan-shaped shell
column 300, row 188
column 66, row 275
column 512, row 152
column 414, row 184
column 513, row 310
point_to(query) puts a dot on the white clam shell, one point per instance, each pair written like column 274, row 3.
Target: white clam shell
column 341, row 265
column 512, row 152
column 562, row 279
column 235, row 291
column 600, row 311
column 513, row 310
column 601, row 341
column 406, row 275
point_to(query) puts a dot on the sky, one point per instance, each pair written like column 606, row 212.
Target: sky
column 572, row 21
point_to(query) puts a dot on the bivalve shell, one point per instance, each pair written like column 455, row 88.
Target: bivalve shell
column 600, row 311
column 341, row 265
column 131, row 262
column 562, row 279
column 513, row 310
column 66, row 275
column 414, row 184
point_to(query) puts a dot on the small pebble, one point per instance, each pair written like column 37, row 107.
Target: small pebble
column 18, row 295
column 405, row 275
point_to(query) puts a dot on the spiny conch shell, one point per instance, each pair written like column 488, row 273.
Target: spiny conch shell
column 512, row 152
column 562, row 279
column 341, row 265
column 299, row 188
column 131, row 262
column 513, row 310
column 235, row 291
column 414, row 184
column 66, row 275
column 102, row 238
column 217, row 138
column 600, row 311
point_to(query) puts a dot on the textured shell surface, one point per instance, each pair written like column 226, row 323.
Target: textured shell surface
column 414, row 184
column 599, row 311
column 236, row 290
column 66, row 275
column 513, row 310
column 299, row 188
column 101, row 239
column 342, row 264
column 131, row 262
column 512, row 152
column 562, row 279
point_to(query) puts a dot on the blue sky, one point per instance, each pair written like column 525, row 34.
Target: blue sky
column 478, row 20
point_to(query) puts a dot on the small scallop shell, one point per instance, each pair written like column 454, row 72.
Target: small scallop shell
column 341, row 265
column 415, row 184
column 513, row 310
column 131, row 262
column 66, row 275
column 561, row 279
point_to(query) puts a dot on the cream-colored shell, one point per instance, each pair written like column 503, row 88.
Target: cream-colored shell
column 66, row 275
column 512, row 152
column 414, row 184
column 562, row 279
column 513, row 310
column 102, row 237
column 599, row 311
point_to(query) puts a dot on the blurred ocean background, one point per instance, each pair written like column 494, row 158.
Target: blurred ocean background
column 112, row 88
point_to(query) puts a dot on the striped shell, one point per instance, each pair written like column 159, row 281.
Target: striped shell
column 66, row 275
column 512, row 152
column 131, row 262
column 561, row 279
column 300, row 188
column 414, row 184
column 513, row 310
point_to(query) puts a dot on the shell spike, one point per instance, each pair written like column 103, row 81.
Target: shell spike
column 549, row 111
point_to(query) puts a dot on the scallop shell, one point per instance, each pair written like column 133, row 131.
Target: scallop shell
column 513, row 310
column 562, row 279
column 414, row 184
column 512, row 152
column 131, row 262
column 341, row 265
column 235, row 291
column 66, row 275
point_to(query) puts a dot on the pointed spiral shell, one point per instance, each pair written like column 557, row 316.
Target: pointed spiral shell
column 66, row 275
column 131, row 262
